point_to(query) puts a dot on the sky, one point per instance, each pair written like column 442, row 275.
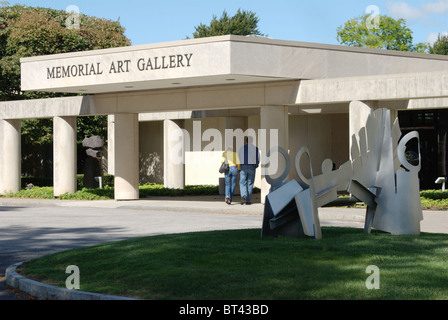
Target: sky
column 148, row 21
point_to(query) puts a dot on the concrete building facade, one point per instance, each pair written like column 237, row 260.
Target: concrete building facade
column 180, row 99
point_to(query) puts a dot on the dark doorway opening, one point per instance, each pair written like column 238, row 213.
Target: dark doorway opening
column 432, row 128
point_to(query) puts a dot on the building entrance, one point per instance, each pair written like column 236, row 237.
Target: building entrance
column 432, row 127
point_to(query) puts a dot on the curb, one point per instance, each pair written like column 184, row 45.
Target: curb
column 196, row 209
column 255, row 210
column 47, row 292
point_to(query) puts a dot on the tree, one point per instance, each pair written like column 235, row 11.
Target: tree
column 242, row 23
column 390, row 34
column 440, row 46
column 28, row 31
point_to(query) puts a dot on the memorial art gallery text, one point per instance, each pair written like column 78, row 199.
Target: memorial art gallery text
column 120, row 66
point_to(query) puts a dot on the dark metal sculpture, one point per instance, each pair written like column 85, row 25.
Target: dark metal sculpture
column 93, row 173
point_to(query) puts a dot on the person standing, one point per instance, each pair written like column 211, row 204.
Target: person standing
column 231, row 175
column 250, row 159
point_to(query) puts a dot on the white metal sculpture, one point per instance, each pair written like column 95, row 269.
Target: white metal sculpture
column 379, row 164
column 378, row 174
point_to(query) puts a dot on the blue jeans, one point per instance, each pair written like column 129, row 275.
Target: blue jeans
column 231, row 176
column 247, row 180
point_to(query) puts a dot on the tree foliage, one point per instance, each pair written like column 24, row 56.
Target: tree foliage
column 29, row 31
column 390, row 34
column 440, row 46
column 242, row 23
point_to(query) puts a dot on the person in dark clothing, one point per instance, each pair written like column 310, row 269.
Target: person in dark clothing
column 249, row 160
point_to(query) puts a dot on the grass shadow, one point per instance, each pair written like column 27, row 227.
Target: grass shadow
column 240, row 265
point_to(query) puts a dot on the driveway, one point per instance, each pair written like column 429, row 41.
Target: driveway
column 30, row 232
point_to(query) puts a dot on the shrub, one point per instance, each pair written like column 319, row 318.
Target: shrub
column 108, row 180
column 107, row 192
column 153, row 189
column 434, row 199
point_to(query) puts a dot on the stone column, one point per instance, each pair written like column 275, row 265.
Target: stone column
column 64, row 155
column 10, row 157
column 273, row 119
column 358, row 113
column 393, row 116
column 126, row 152
column 173, row 155
column 110, row 144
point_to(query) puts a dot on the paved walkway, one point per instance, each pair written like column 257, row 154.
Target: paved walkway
column 32, row 228
column 434, row 221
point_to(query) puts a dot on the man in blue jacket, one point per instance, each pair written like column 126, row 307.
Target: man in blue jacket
column 249, row 160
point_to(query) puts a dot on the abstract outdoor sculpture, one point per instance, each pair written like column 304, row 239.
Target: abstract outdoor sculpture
column 378, row 174
column 93, row 163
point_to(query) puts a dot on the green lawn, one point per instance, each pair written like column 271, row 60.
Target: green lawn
column 240, row 265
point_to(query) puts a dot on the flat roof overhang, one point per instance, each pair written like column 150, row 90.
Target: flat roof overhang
column 171, row 65
column 212, row 61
